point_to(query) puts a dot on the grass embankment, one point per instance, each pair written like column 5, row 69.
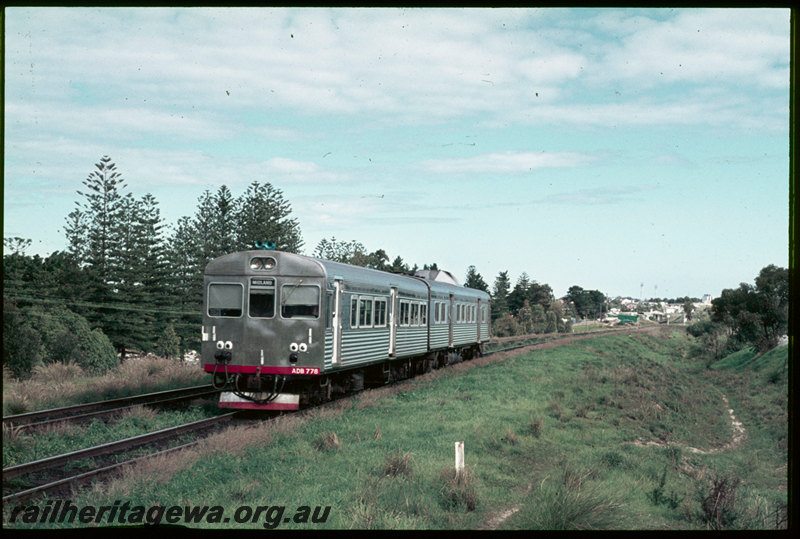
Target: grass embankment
column 610, row 432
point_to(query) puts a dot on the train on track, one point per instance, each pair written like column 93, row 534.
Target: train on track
column 282, row 331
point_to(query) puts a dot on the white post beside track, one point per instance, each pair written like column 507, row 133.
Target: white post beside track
column 459, row 458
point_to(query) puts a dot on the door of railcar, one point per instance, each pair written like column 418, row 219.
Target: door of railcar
column 451, row 317
column 393, row 322
column 478, row 319
column 300, row 335
column 336, row 322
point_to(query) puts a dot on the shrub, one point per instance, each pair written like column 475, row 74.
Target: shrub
column 506, row 327
column 457, row 491
column 33, row 336
column 572, row 503
column 327, row 442
column 169, row 343
column 719, row 509
column 398, row 464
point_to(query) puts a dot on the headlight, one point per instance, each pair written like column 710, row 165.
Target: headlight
column 262, row 263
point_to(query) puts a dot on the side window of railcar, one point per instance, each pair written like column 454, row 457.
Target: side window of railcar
column 380, row 313
column 225, row 300
column 423, row 314
column 354, row 312
column 299, row 301
column 405, row 310
column 328, row 303
column 365, row 312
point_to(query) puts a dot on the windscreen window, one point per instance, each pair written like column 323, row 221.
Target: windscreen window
column 299, row 301
column 262, row 302
column 225, row 300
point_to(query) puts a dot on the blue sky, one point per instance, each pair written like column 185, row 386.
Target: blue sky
column 607, row 148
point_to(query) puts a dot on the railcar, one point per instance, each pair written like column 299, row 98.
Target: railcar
column 281, row 330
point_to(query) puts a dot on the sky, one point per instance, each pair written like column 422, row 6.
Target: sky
column 639, row 152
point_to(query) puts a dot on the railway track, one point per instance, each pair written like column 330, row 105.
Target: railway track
column 523, row 341
column 77, row 412
column 49, row 473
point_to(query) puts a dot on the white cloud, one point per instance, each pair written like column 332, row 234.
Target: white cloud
column 506, row 162
column 739, row 47
column 412, row 65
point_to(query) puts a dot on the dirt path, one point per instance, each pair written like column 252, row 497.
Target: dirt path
column 738, row 436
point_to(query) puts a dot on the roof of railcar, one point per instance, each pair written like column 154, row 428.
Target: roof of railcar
column 294, row 264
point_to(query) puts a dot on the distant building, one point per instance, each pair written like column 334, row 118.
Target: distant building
column 707, row 299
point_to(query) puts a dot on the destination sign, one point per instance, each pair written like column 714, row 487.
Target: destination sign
column 262, row 282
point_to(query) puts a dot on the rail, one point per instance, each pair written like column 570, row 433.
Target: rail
column 110, row 448
column 75, row 412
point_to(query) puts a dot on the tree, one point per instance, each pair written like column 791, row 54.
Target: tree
column 185, row 283
column 398, row 266
column 96, row 232
column 475, row 280
column 502, row 285
column 756, row 315
column 587, row 303
column 517, row 297
column 169, row 343
column 102, row 211
column 262, row 214
column 552, row 323
column 143, row 276
column 525, row 318
column 340, row 251
column 540, row 294
column 688, row 308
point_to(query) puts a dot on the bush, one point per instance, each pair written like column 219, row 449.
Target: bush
column 169, row 343
column 506, row 327
column 34, row 336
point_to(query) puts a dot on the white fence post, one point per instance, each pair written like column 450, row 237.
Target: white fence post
column 459, row 458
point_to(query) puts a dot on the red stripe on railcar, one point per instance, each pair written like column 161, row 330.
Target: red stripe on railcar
column 252, row 369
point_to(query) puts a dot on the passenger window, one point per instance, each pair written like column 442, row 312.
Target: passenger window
column 365, row 312
column 354, row 313
column 225, row 300
column 299, row 301
column 380, row 313
column 328, row 302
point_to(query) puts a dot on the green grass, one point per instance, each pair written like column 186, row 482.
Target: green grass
column 593, row 435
